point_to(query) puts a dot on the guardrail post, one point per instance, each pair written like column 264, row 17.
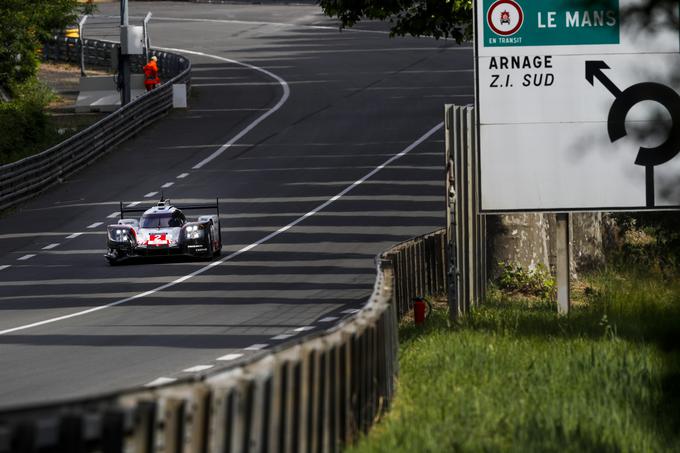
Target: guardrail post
column 173, row 423
column 23, row 436
column 346, row 431
column 200, row 419
column 145, row 427
column 71, row 433
column 113, row 431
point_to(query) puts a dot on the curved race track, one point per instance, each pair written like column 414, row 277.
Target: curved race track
column 325, row 148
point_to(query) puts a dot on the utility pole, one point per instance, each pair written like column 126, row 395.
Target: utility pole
column 147, row 40
column 124, row 60
column 81, row 28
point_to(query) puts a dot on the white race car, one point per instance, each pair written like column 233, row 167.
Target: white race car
column 164, row 230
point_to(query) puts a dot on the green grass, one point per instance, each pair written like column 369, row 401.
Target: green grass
column 516, row 377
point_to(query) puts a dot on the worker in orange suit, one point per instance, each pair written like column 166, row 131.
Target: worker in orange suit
column 151, row 74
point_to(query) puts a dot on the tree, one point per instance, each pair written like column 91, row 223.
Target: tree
column 24, row 27
column 436, row 18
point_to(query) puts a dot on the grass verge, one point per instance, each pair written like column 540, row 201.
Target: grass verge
column 516, row 377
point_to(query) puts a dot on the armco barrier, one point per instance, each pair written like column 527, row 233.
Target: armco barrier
column 316, row 395
column 419, row 269
column 27, row 177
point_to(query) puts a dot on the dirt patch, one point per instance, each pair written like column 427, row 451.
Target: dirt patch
column 64, row 80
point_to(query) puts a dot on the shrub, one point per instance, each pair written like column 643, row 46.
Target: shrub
column 537, row 282
column 25, row 125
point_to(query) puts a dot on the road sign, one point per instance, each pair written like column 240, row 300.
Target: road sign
column 577, row 107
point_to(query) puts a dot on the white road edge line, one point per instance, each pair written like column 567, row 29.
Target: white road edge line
column 256, row 347
column 229, row 357
column 160, row 381
column 322, row 206
column 303, row 328
column 197, row 368
column 251, row 126
column 283, row 336
column 329, row 319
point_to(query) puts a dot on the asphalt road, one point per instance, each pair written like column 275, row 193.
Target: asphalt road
column 340, row 105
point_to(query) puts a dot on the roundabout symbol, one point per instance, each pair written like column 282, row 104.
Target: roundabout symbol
column 624, row 101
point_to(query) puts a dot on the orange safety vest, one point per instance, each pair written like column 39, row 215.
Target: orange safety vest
column 151, row 74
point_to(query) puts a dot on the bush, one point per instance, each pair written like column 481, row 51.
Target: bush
column 537, row 282
column 25, row 126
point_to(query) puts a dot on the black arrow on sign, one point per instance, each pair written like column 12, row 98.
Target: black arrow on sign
column 626, row 100
column 594, row 70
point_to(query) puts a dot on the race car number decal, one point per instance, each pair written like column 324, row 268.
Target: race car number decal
column 158, row 239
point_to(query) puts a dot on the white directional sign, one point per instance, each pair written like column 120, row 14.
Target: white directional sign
column 577, row 107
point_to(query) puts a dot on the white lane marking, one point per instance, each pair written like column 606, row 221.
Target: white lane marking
column 113, row 215
column 303, row 328
column 256, row 347
column 25, row 257
column 350, row 311
column 197, row 368
column 160, row 381
column 3, row 267
column 133, row 204
column 182, row 176
column 167, row 184
column 329, row 319
column 95, row 225
column 51, row 246
column 283, row 336
column 251, row 126
column 150, row 194
column 241, row 251
column 228, row 357
column 74, row 235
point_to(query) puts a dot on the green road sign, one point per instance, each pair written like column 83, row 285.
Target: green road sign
column 550, row 22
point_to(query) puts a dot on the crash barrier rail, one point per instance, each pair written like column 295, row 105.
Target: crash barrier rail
column 27, row 177
column 316, row 395
column 466, row 228
column 419, row 269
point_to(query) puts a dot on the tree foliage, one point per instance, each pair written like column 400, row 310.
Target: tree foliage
column 24, row 26
column 436, row 18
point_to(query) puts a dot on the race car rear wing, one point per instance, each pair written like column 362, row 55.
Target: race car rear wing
column 131, row 210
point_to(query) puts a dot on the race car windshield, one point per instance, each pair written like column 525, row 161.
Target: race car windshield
column 160, row 221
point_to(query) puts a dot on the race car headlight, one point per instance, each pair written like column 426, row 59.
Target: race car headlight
column 194, row 232
column 119, row 235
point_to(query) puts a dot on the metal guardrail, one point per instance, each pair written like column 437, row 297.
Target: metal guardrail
column 27, row 177
column 318, row 394
column 419, row 269
column 466, row 227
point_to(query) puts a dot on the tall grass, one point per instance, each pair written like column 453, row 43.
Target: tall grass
column 516, row 377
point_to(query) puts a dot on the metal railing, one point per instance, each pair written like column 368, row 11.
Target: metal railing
column 419, row 269
column 316, row 395
column 27, row 177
